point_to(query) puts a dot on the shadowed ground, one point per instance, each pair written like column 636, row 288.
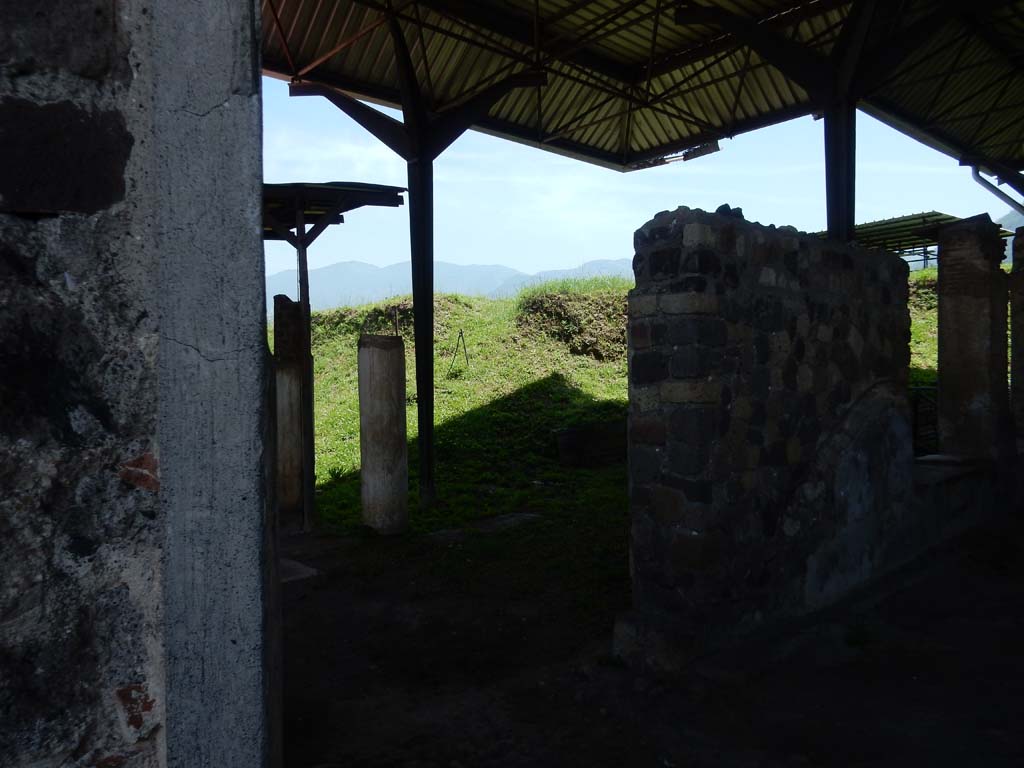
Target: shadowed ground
column 491, row 647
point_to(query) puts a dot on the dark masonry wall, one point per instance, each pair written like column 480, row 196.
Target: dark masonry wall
column 769, row 440
column 133, row 588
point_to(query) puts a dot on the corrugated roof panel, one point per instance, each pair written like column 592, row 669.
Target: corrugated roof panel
column 617, row 92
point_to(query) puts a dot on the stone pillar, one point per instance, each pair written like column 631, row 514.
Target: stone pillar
column 769, row 438
column 1017, row 331
column 973, row 396
column 383, row 451
column 289, row 362
column 137, row 608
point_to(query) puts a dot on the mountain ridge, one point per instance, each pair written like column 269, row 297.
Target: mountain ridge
column 348, row 283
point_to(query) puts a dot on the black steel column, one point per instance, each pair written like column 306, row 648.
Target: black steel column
column 421, row 239
column 840, row 169
column 419, row 140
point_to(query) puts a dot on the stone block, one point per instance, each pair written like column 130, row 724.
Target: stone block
column 670, row 508
column 688, row 303
column 701, row 391
column 643, row 399
column 642, row 305
column 663, row 264
column 693, row 550
column 699, row 234
column 692, row 424
column 702, row 261
column 649, row 430
column 689, row 459
column 696, row 329
column 644, row 464
column 647, row 368
column 694, row 362
column 639, row 335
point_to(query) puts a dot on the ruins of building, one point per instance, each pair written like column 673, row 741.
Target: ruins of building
column 137, row 606
column 770, row 443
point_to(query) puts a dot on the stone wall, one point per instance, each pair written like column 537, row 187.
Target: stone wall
column 973, row 400
column 1016, row 290
column 133, row 588
column 769, row 438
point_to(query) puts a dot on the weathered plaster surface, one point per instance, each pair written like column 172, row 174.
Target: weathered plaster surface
column 132, row 374
column 1016, row 288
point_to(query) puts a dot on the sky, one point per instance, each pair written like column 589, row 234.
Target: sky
column 499, row 202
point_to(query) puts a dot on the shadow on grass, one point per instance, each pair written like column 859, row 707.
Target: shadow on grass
column 923, row 377
column 471, row 612
column 502, row 459
column 497, row 459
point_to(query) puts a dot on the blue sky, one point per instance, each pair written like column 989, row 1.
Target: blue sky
column 498, row 202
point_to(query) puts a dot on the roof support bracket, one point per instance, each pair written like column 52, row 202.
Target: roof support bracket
column 419, row 140
column 1017, row 205
column 794, row 60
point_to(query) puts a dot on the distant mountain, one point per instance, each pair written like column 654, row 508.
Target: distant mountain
column 599, row 268
column 1010, row 222
column 354, row 282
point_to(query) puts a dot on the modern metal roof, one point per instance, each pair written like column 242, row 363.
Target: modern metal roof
column 631, row 83
column 911, row 234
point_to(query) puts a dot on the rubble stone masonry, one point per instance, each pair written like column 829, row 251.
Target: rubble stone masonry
column 769, row 440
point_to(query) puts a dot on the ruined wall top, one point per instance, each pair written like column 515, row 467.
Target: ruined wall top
column 767, row 370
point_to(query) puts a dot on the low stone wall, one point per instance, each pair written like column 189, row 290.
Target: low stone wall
column 769, row 439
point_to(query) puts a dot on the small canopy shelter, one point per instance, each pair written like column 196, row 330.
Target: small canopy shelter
column 298, row 214
column 628, row 84
column 910, row 235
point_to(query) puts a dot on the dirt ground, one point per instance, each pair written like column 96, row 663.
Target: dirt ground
column 392, row 662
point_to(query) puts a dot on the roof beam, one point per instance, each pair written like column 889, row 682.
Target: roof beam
column 449, row 125
column 519, row 28
column 385, row 128
column 852, row 40
column 906, row 39
column 1014, row 56
column 794, row 60
column 692, row 54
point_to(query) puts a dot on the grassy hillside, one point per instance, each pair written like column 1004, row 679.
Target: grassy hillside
column 495, row 414
column 550, row 358
column 924, row 327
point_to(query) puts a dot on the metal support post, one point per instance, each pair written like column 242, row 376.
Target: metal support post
column 421, row 237
column 840, row 169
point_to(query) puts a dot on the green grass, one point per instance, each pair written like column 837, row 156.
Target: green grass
column 574, row 287
column 924, row 328
column 546, row 359
column 496, row 451
column 494, row 416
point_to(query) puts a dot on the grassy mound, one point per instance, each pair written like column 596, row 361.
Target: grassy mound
column 589, row 316
column 383, row 317
column 549, row 359
column 495, row 417
column 923, row 303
